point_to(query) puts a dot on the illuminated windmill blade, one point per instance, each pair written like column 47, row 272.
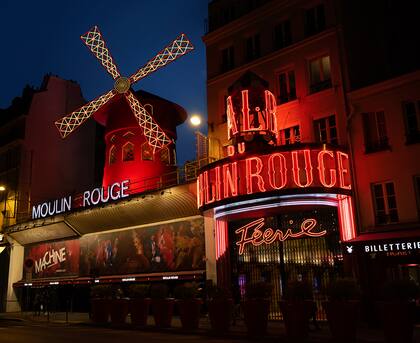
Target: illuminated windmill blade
column 71, row 122
column 94, row 41
column 179, row 47
column 155, row 136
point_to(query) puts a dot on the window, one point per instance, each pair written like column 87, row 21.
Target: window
column 164, row 155
column 412, row 121
column 128, row 152
column 326, row 130
column 314, row 20
column 287, row 87
column 112, row 157
column 290, row 135
column 228, row 59
column 282, row 35
column 252, row 48
column 385, row 203
column 375, row 131
column 320, row 74
column 417, row 190
column 146, row 152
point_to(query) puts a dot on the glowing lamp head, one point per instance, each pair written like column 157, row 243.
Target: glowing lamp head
column 2, row 188
column 122, row 85
column 195, row 120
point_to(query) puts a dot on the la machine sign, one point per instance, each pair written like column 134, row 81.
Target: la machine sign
column 93, row 197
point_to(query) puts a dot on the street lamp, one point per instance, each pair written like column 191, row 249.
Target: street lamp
column 195, row 120
column 3, row 189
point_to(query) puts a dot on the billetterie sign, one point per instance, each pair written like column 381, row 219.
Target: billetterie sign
column 96, row 196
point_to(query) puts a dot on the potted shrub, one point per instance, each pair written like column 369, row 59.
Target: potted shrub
column 119, row 307
column 342, row 309
column 220, row 309
column 188, row 304
column 256, row 307
column 100, row 300
column 398, row 310
column 163, row 307
column 139, row 304
column 297, row 307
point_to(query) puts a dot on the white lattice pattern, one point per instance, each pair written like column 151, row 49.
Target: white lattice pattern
column 94, row 41
column 156, row 137
column 68, row 124
column 179, row 47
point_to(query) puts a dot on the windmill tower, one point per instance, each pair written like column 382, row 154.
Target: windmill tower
column 138, row 140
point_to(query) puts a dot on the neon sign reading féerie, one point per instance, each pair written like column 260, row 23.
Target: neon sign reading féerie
column 96, row 196
column 277, row 171
column 269, row 235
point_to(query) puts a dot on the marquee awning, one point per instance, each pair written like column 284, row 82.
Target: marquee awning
column 167, row 204
column 83, row 280
column 386, row 236
column 41, row 230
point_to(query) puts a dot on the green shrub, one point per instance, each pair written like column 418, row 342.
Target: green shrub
column 159, row 291
column 186, row 291
column 259, row 290
column 139, row 291
column 216, row 292
column 343, row 289
column 101, row 291
column 400, row 290
column 298, row 290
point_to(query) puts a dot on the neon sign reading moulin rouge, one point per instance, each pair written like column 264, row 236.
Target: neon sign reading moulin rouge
column 96, row 196
column 272, row 172
column 269, row 235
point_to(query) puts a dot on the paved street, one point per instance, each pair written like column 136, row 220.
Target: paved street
column 43, row 333
column 36, row 329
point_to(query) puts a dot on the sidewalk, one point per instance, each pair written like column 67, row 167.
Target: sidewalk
column 238, row 332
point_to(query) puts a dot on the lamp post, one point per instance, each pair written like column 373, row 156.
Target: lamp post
column 201, row 141
column 3, row 190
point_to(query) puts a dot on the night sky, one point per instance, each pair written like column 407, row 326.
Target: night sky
column 39, row 37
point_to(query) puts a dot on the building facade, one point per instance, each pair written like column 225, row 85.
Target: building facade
column 137, row 222
column 331, row 92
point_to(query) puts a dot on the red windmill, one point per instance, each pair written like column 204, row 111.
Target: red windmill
column 153, row 134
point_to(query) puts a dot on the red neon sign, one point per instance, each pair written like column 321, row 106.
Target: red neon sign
column 269, row 235
column 278, row 171
column 252, row 119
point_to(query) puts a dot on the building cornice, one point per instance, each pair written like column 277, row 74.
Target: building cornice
column 245, row 21
column 384, row 86
column 273, row 55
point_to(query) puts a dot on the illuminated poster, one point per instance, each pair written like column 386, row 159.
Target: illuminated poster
column 177, row 246
column 54, row 259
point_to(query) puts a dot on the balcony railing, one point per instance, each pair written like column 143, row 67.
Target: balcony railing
column 180, row 175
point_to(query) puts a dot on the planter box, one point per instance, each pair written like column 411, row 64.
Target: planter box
column 343, row 318
column 220, row 313
column 256, row 316
column 139, row 309
column 100, row 309
column 398, row 321
column 162, row 312
column 189, row 312
column 296, row 316
column 119, row 311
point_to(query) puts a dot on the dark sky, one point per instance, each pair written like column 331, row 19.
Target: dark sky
column 39, row 37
